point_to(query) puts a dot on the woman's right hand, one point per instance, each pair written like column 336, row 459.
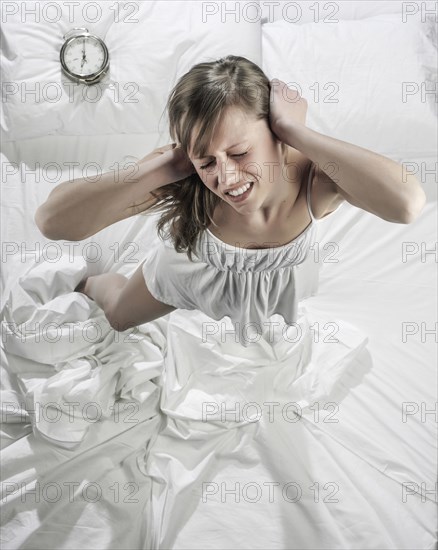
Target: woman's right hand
column 180, row 164
column 156, row 152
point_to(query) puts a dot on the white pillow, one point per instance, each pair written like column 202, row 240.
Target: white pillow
column 151, row 45
column 327, row 11
column 352, row 74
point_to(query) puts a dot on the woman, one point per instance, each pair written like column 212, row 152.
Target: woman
column 241, row 191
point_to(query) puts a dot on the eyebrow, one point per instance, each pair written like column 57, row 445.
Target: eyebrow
column 207, row 156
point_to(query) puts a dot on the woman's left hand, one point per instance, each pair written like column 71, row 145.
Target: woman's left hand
column 285, row 105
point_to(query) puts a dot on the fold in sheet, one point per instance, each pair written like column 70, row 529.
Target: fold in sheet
column 88, row 371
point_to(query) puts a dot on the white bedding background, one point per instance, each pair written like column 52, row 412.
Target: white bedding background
column 129, row 440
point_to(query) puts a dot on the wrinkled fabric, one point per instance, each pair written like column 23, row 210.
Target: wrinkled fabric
column 87, row 369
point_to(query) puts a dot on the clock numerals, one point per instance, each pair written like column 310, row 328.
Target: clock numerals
column 84, row 56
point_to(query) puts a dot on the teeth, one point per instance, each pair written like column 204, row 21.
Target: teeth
column 240, row 190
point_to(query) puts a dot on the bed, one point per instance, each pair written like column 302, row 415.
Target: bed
column 164, row 436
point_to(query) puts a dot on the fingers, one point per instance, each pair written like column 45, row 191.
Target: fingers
column 156, row 152
column 164, row 148
column 167, row 147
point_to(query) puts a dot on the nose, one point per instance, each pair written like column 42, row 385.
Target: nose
column 228, row 173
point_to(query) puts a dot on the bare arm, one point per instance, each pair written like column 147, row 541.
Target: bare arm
column 365, row 179
column 77, row 209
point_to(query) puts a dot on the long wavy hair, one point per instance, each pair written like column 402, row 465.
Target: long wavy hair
column 200, row 97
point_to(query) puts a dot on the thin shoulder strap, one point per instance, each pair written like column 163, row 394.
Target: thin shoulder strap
column 309, row 187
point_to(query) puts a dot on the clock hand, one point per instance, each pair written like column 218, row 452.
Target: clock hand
column 84, row 58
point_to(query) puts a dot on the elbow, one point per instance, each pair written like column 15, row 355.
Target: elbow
column 414, row 207
column 42, row 222
column 47, row 227
column 53, row 230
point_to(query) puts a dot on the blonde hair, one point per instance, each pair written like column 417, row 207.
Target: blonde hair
column 200, row 97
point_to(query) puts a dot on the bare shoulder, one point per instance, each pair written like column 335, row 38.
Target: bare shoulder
column 324, row 193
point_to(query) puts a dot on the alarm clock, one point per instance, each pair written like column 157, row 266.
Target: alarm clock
column 84, row 56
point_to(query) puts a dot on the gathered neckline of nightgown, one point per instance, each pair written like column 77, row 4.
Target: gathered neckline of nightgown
column 303, row 232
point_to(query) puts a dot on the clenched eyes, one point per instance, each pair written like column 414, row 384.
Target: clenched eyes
column 207, row 165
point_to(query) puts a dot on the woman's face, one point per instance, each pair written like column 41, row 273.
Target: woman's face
column 242, row 150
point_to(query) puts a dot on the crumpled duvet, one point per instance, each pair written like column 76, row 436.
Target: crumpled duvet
column 166, row 423
column 87, row 371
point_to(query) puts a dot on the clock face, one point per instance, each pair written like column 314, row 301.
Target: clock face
column 84, row 56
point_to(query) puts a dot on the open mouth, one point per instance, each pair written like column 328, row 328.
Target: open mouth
column 242, row 195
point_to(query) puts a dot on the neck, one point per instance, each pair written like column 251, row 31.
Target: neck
column 283, row 196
